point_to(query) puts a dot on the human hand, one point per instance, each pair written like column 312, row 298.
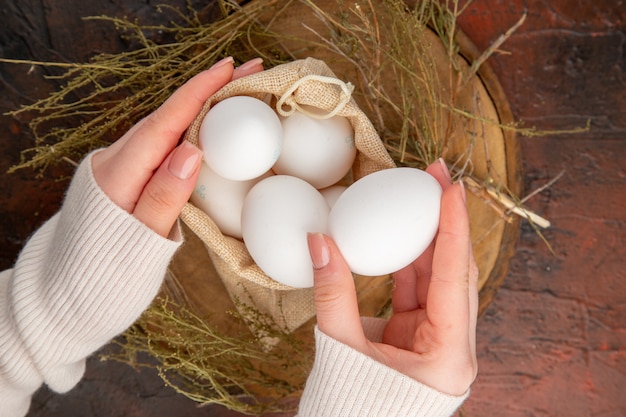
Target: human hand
column 146, row 172
column 431, row 336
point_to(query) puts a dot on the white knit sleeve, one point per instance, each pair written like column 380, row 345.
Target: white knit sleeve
column 347, row 383
column 82, row 278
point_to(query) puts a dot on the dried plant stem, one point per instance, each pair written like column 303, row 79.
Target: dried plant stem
column 543, row 187
column 117, row 90
column 54, row 64
column 495, row 46
column 507, row 203
column 210, row 367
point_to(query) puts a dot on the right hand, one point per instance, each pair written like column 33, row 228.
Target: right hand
column 431, row 336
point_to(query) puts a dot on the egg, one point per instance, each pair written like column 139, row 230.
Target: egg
column 241, row 138
column 222, row 199
column 277, row 214
column 319, row 151
column 385, row 220
column 332, row 193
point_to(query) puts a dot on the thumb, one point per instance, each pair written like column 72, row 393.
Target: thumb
column 334, row 293
column 165, row 195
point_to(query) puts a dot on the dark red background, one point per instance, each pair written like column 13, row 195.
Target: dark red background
column 553, row 342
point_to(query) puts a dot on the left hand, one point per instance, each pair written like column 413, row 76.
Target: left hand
column 146, row 172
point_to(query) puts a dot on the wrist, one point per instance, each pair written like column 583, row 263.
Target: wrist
column 348, row 383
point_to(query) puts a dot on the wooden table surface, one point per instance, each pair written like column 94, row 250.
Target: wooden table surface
column 553, row 342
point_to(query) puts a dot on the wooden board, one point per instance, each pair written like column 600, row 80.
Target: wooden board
column 492, row 152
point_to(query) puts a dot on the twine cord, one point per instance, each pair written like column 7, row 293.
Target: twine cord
column 287, row 98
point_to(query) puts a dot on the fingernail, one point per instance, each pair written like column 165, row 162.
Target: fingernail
column 185, row 160
column 318, row 248
column 221, row 63
column 250, row 64
column 444, row 168
column 463, row 193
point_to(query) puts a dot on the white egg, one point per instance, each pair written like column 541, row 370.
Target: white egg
column 241, row 138
column 385, row 220
column 277, row 214
column 320, row 151
column 222, row 199
column 332, row 193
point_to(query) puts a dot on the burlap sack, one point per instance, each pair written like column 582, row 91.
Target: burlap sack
column 303, row 82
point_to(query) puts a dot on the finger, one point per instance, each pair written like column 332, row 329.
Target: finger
column 423, row 265
column 104, row 170
column 250, row 67
column 169, row 189
column 411, row 283
column 439, row 170
column 174, row 116
column 448, row 293
column 404, row 294
column 423, row 270
column 334, row 293
column 473, row 304
column 253, row 66
column 146, row 148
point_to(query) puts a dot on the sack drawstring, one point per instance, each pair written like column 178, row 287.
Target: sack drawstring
column 287, row 98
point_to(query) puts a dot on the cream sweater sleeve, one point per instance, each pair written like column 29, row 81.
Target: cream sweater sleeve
column 347, row 383
column 82, row 278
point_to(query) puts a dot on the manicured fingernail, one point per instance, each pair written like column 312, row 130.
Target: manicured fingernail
column 463, row 193
column 228, row 59
column 444, row 168
column 250, row 64
column 185, row 160
column 318, row 248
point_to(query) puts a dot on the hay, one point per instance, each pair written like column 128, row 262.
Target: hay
column 209, row 366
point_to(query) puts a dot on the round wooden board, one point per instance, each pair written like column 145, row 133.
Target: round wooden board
column 494, row 156
column 493, row 152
